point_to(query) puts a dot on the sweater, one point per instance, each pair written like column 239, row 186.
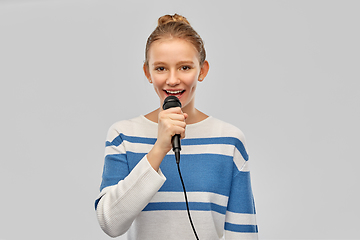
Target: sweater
column 149, row 204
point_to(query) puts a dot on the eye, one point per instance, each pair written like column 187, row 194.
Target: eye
column 184, row 68
column 160, row 69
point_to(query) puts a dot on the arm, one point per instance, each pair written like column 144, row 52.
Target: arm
column 120, row 204
column 240, row 219
column 124, row 194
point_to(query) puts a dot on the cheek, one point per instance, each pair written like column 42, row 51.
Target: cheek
column 192, row 82
column 157, row 80
column 158, row 86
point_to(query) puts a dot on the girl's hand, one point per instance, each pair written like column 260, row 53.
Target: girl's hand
column 170, row 122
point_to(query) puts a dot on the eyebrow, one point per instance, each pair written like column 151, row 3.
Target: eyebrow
column 158, row 63
column 185, row 62
column 179, row 63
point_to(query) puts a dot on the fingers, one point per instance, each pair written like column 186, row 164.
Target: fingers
column 172, row 121
column 173, row 124
column 173, row 114
column 175, row 110
column 179, row 130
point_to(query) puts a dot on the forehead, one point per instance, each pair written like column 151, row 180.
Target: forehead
column 172, row 49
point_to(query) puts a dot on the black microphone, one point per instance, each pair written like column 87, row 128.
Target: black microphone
column 170, row 102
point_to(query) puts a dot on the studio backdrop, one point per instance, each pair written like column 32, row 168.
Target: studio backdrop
column 285, row 72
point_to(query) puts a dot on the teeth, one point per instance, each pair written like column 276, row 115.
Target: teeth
column 173, row 92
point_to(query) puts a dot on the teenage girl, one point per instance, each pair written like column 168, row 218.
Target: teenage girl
column 141, row 192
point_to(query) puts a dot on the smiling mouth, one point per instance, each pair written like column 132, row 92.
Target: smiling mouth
column 174, row 93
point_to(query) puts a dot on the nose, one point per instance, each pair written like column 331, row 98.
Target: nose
column 172, row 79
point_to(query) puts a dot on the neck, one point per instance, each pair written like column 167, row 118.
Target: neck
column 194, row 115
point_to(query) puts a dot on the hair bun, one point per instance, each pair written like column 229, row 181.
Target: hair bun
column 172, row 18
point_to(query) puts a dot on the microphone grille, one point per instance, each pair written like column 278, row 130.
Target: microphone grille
column 170, row 102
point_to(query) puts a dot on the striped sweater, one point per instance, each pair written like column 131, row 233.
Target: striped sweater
column 146, row 204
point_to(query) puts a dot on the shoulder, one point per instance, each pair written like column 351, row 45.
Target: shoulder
column 225, row 129
column 138, row 126
column 222, row 133
column 237, row 138
column 123, row 124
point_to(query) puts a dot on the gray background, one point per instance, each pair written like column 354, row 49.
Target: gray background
column 285, row 72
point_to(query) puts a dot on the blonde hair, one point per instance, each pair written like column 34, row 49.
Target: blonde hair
column 176, row 26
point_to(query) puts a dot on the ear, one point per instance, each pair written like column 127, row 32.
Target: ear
column 203, row 71
column 147, row 72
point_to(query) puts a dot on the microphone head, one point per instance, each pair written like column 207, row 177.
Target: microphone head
column 170, row 102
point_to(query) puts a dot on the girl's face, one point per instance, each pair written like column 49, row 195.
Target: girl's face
column 174, row 69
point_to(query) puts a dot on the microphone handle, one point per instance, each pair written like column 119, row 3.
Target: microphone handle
column 176, row 147
column 176, row 142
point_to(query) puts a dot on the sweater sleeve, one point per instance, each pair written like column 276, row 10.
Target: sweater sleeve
column 240, row 219
column 124, row 195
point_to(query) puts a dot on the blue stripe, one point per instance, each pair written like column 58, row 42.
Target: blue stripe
column 241, row 228
column 201, row 172
column 185, row 142
column 194, row 206
column 96, row 203
column 115, row 169
column 241, row 199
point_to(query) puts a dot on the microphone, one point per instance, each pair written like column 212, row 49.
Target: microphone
column 170, row 102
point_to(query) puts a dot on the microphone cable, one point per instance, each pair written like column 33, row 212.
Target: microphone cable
column 186, row 200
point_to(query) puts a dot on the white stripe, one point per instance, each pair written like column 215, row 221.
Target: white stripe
column 237, row 235
column 131, row 147
column 245, row 167
column 168, row 219
column 223, row 149
column 239, row 161
column 192, row 197
column 240, row 218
